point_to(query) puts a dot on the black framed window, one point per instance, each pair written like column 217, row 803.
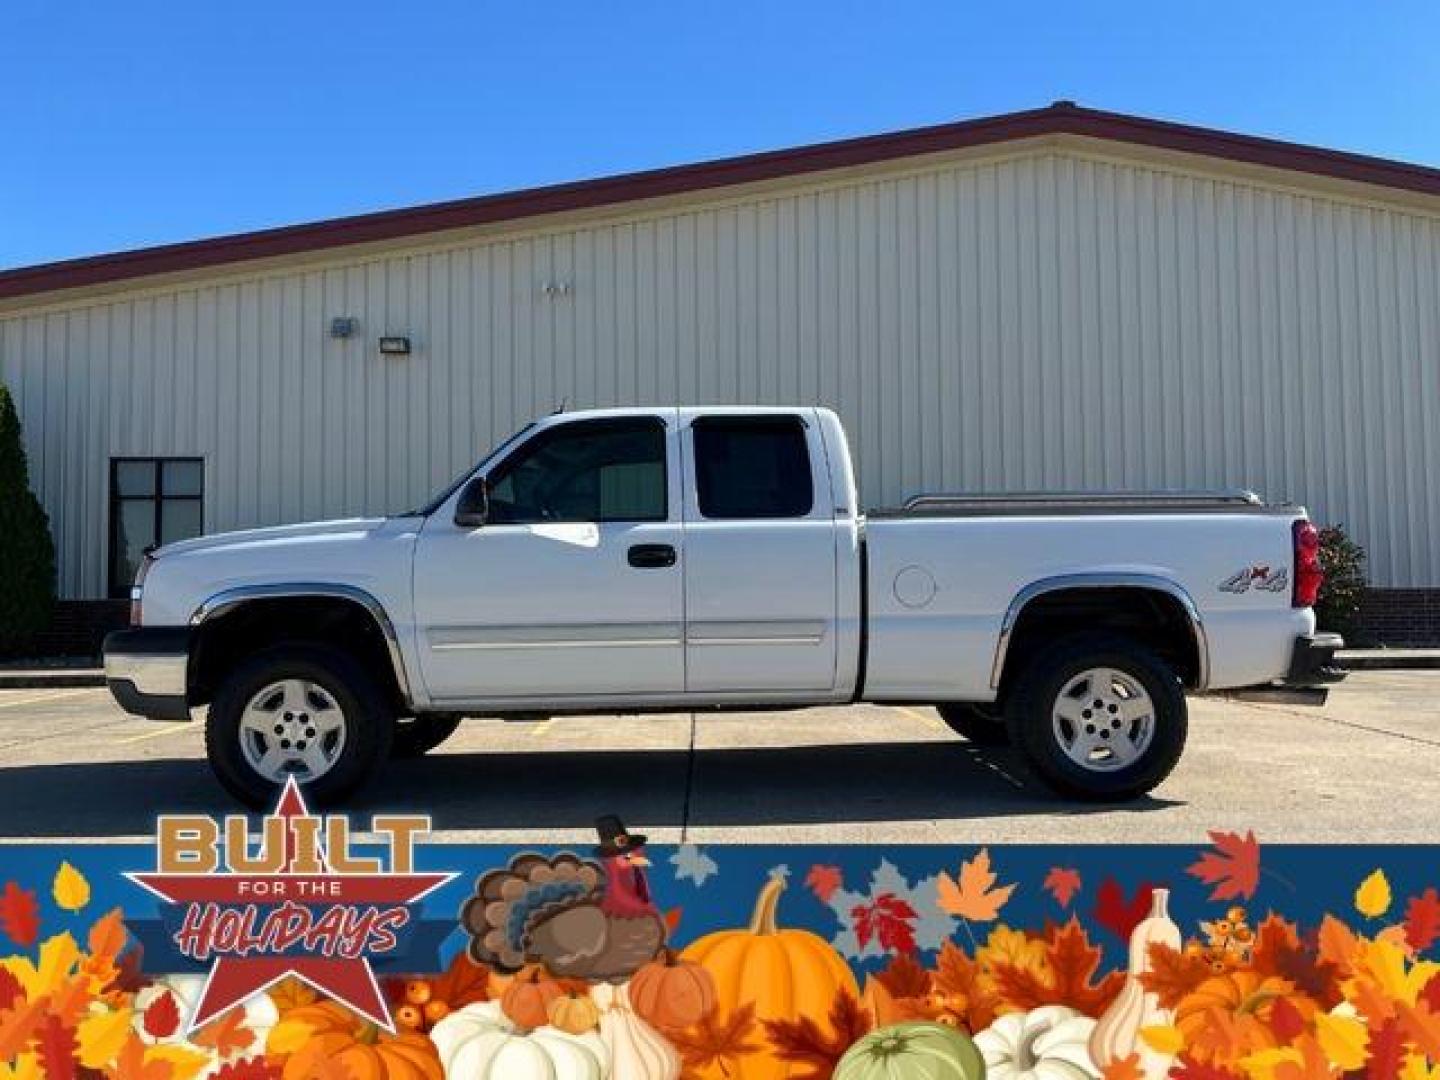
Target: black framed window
column 582, row 471
column 153, row 501
column 752, row 467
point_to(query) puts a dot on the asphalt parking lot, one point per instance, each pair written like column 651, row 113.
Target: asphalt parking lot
column 1365, row 768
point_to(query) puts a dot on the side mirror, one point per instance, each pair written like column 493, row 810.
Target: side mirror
column 473, row 508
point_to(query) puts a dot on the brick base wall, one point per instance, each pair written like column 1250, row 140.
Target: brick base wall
column 79, row 627
column 1400, row 617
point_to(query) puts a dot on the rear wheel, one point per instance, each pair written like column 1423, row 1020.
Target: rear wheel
column 300, row 711
column 1099, row 718
column 417, row 735
column 982, row 725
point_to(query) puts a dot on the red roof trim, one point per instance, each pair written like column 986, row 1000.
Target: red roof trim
column 1060, row 118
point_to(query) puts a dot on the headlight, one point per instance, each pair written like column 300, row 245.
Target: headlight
column 138, row 589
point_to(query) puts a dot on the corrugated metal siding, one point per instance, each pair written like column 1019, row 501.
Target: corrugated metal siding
column 1053, row 321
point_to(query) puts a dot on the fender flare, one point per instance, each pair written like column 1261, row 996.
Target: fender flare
column 1104, row 580
column 229, row 599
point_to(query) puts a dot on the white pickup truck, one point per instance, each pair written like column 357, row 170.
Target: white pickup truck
column 662, row 559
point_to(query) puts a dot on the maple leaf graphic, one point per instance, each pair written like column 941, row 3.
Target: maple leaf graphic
column 1062, row 883
column 1118, row 915
column 1422, row 920
column 1233, row 867
column 823, row 881
column 930, row 926
column 717, row 1043
column 888, row 920
column 974, row 896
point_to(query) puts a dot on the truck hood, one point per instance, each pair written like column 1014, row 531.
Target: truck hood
column 301, row 534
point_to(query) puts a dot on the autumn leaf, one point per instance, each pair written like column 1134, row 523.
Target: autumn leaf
column 1163, row 1039
column 1343, row 1039
column 129, row 979
column 905, row 977
column 70, row 889
column 1126, row 1068
column 102, row 1036
column 162, row 1019
column 254, row 1068
column 1279, row 951
column 804, row 1042
column 17, row 1026
column 185, row 1062
column 1173, row 973
column 19, row 915
column 1422, row 1025
column 824, row 881
column 107, row 935
column 1233, row 867
column 1186, row 1068
column 1062, row 883
column 1387, row 1052
column 959, row 977
column 1372, row 898
column 889, row 920
column 55, row 1046
column 227, row 1036
column 10, row 989
column 1073, row 964
column 291, row 993
column 715, row 1044
column 974, row 896
column 1422, row 920
column 1338, row 943
column 1118, row 915
column 1286, row 1020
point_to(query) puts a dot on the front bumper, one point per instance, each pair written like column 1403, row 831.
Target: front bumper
column 146, row 670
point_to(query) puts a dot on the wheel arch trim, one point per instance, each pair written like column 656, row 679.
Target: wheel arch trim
column 1105, row 580
column 229, row 599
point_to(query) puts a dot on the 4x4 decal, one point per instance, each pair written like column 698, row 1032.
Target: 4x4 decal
column 1258, row 577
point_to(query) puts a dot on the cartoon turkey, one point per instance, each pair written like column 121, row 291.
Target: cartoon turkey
column 581, row 919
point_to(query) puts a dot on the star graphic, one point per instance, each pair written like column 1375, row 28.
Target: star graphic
column 349, row 981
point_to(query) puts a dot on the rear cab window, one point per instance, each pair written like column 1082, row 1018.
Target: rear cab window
column 749, row 467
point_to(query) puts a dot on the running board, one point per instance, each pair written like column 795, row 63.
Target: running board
column 1278, row 695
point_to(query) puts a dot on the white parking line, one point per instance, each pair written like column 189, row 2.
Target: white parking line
column 48, row 695
column 168, row 728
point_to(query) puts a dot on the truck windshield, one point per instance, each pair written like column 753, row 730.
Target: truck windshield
column 438, row 499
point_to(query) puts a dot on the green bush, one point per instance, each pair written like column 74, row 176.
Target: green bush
column 27, row 554
column 1343, row 561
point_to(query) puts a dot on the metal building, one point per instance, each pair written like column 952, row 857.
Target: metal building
column 1060, row 298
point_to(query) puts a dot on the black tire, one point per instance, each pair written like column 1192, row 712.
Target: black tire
column 368, row 724
column 416, row 736
column 1031, row 719
column 980, row 724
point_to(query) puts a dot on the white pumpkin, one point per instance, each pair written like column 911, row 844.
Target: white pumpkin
column 637, row 1050
column 260, row 1016
column 479, row 1042
column 1048, row 1043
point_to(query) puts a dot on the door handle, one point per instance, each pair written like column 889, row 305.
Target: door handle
column 651, row 556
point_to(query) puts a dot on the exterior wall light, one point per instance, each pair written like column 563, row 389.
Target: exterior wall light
column 343, row 326
column 395, row 346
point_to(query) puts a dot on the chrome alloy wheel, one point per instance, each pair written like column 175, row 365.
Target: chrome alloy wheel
column 292, row 728
column 1103, row 719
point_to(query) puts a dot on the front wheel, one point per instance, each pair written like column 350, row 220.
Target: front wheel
column 1099, row 718
column 297, row 711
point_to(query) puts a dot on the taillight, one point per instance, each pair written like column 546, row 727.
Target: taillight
column 1308, row 574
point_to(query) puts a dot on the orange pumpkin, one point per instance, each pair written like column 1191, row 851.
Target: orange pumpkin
column 672, row 993
column 1225, row 1017
column 526, row 1001
column 330, row 1034
column 785, row 974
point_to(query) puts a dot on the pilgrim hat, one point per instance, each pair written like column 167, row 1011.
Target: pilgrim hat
column 614, row 840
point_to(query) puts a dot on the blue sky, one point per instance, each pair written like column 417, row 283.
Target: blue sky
column 124, row 125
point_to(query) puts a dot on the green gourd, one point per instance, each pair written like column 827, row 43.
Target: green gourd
column 918, row 1049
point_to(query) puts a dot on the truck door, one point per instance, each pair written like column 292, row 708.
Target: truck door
column 572, row 586
column 760, row 591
